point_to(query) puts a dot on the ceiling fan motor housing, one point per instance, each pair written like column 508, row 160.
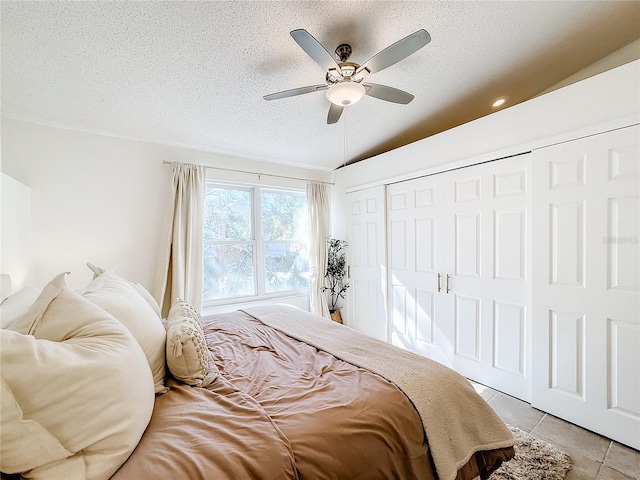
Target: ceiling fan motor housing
column 343, row 52
column 345, row 72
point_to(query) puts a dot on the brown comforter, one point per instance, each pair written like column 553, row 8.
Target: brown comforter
column 280, row 409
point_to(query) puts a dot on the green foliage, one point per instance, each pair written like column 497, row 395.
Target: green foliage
column 228, row 270
column 284, row 216
column 227, row 214
column 286, row 266
column 336, row 271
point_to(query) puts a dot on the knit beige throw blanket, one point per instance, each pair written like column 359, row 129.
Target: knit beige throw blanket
column 456, row 420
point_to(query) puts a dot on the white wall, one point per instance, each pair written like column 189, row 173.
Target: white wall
column 100, row 199
column 16, row 254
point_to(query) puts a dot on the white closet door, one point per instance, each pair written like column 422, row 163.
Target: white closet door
column 419, row 308
column 469, row 228
column 488, row 253
column 366, row 306
column 586, row 287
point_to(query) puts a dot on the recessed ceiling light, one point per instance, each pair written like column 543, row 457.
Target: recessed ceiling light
column 498, row 102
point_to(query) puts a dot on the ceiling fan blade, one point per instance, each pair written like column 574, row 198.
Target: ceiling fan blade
column 315, row 49
column 295, row 91
column 334, row 113
column 389, row 94
column 394, row 53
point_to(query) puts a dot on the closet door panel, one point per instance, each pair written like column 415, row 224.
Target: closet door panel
column 623, row 214
column 416, row 249
column 467, row 322
column 509, row 328
column 587, row 283
column 510, row 244
column 366, row 305
column 425, row 229
column 488, row 252
column 425, row 327
column 467, row 244
column 621, row 300
column 466, row 257
column 508, row 276
column 399, row 243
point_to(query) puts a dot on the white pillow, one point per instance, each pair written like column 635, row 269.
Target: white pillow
column 5, row 286
column 25, row 442
column 187, row 352
column 141, row 290
column 22, row 324
column 119, row 298
column 148, row 297
column 77, row 389
column 16, row 305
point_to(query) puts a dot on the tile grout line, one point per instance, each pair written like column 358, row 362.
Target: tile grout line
column 539, row 422
column 607, row 452
column 603, row 459
column 603, row 464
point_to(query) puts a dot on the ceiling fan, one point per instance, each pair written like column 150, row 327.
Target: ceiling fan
column 344, row 80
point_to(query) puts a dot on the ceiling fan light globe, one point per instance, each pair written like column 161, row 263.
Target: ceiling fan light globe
column 345, row 93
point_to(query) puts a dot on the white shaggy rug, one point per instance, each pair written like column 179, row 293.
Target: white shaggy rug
column 534, row 460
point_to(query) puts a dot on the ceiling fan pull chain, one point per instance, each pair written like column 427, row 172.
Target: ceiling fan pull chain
column 346, row 143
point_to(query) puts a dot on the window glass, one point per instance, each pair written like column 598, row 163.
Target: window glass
column 227, row 214
column 284, row 215
column 228, row 271
column 286, row 266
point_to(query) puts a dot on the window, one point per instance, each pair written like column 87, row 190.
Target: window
column 255, row 242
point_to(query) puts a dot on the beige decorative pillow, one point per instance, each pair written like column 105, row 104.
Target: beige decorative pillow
column 77, row 392
column 118, row 297
column 187, row 352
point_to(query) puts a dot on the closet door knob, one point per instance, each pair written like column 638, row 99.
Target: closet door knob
column 447, row 290
column 439, row 278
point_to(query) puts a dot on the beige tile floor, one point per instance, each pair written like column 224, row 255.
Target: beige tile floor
column 593, row 456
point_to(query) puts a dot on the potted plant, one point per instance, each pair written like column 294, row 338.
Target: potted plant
column 335, row 277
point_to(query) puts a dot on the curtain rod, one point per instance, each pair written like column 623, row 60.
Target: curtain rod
column 166, row 162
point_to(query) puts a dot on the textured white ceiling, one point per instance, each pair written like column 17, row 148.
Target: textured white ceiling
column 193, row 74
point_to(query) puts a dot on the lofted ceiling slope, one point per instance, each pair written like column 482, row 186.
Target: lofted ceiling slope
column 193, row 74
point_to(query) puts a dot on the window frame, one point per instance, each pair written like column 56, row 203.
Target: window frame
column 257, row 242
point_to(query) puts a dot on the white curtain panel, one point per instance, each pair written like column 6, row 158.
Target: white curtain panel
column 181, row 251
column 318, row 203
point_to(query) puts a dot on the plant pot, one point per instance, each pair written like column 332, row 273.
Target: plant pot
column 336, row 316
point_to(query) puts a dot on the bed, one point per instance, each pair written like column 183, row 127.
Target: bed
column 289, row 395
